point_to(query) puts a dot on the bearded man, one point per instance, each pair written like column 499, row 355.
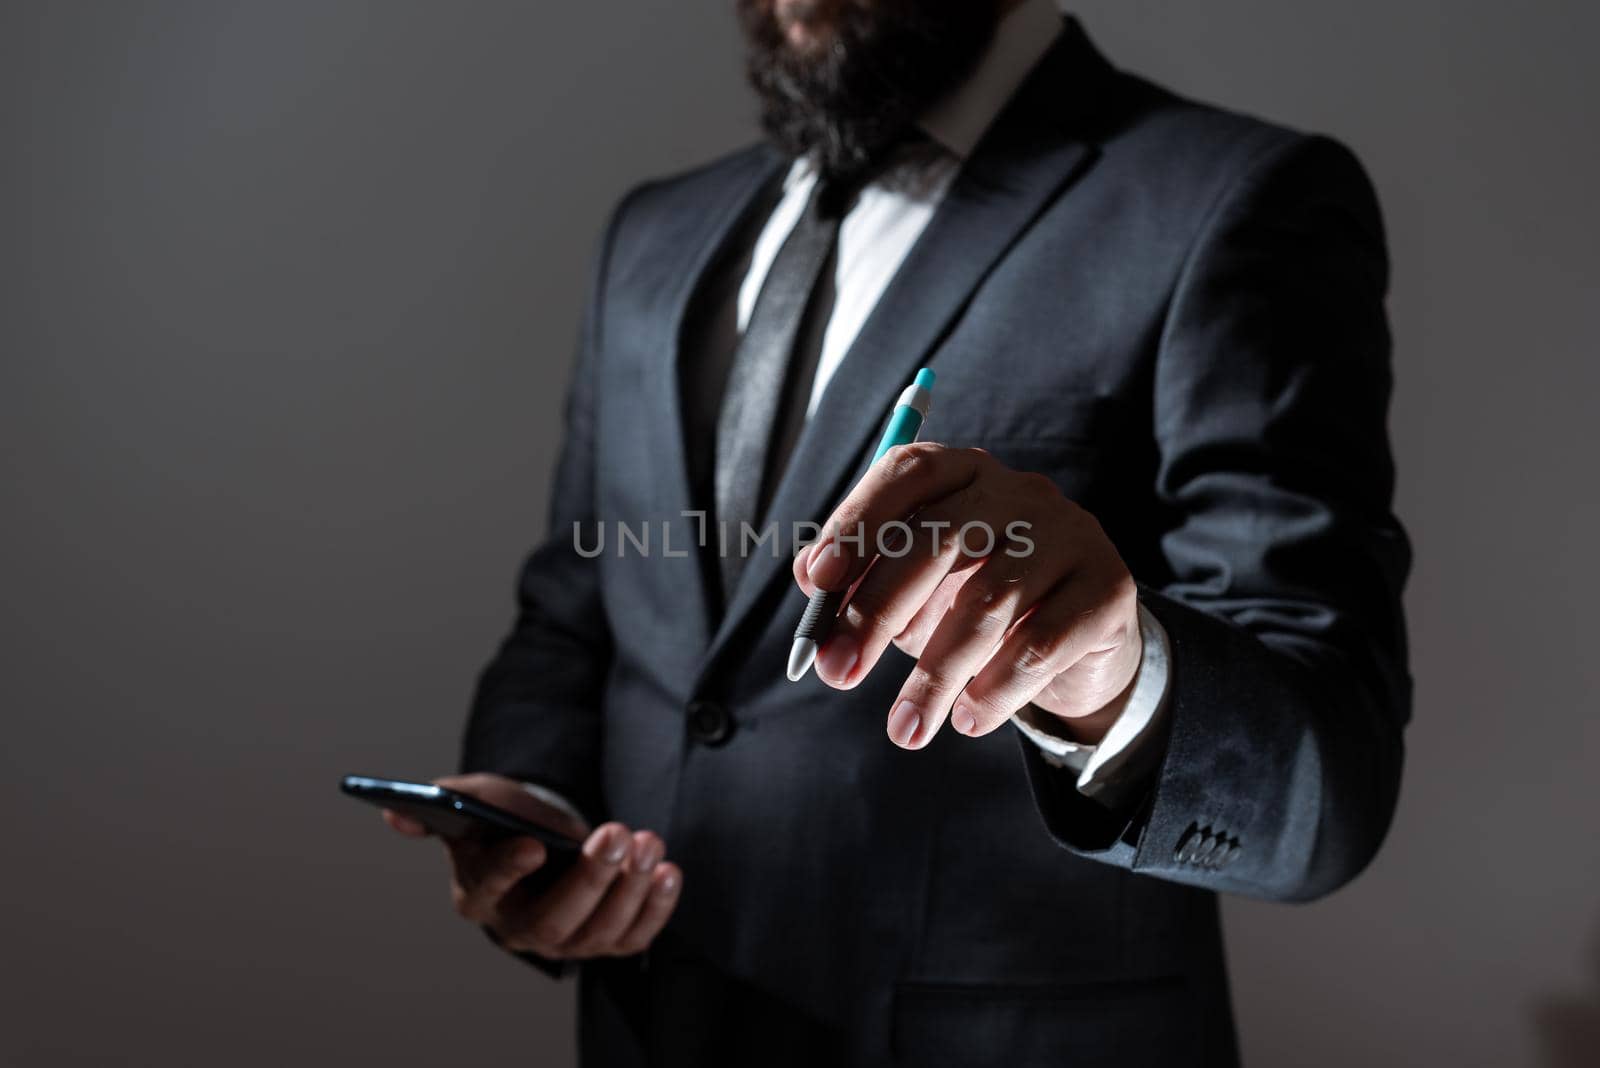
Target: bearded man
column 992, row 825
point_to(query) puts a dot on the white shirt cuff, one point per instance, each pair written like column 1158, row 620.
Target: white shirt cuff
column 1113, row 770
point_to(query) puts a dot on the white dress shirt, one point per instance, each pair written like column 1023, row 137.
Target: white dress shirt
column 874, row 239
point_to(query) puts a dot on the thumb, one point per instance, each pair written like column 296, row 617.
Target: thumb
column 404, row 824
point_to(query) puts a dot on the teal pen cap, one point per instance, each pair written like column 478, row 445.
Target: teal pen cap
column 909, row 413
column 905, row 422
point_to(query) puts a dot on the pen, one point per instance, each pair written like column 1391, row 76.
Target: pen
column 910, row 411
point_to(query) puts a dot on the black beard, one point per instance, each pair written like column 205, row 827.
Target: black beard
column 878, row 65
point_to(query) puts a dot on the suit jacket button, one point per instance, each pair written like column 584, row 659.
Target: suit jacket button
column 709, row 722
column 1192, row 837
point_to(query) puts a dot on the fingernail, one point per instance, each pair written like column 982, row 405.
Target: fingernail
column 828, row 566
column 617, row 851
column 647, row 857
column 837, row 657
column 669, row 884
column 812, row 550
column 903, row 723
column 963, row 720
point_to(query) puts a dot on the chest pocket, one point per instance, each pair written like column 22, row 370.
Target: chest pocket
column 1064, row 438
column 1057, row 421
column 973, row 404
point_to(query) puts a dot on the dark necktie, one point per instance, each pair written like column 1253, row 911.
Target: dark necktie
column 769, row 385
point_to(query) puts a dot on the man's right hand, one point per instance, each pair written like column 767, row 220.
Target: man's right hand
column 611, row 903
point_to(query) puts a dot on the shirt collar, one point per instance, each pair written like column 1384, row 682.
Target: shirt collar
column 1025, row 34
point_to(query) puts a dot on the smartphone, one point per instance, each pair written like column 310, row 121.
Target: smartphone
column 451, row 814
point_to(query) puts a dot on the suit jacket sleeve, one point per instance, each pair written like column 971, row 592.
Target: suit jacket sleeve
column 1289, row 687
column 536, row 712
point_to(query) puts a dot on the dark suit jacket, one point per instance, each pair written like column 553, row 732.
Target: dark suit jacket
column 1174, row 312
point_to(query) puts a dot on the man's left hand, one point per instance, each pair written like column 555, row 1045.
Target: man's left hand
column 1004, row 590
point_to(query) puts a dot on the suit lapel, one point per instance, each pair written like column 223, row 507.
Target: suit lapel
column 699, row 232
column 1033, row 150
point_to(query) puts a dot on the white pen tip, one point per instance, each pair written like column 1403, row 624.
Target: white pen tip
column 801, row 654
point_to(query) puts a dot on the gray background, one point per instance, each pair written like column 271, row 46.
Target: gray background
column 287, row 295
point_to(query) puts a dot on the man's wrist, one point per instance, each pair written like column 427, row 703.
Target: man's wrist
column 1090, row 730
column 1091, row 727
column 1127, row 749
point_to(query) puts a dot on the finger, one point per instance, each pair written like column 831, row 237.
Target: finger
column 666, row 883
column 951, row 534
column 546, row 923
column 914, row 638
column 470, row 859
column 617, row 911
column 485, row 875
column 998, row 594
column 802, row 577
column 516, row 797
column 900, row 484
column 1078, row 619
column 890, row 593
column 404, row 824
column 498, row 790
column 495, row 884
column 476, row 783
